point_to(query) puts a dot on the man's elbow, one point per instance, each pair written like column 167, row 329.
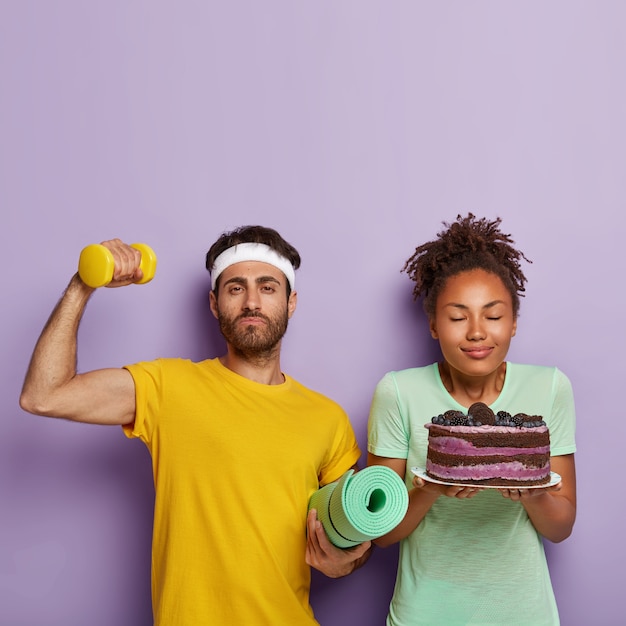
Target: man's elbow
column 36, row 404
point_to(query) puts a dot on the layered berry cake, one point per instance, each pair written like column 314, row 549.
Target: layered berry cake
column 484, row 448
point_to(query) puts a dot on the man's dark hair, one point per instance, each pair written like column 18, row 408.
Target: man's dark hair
column 253, row 234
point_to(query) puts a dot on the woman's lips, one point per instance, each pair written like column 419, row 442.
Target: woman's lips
column 478, row 352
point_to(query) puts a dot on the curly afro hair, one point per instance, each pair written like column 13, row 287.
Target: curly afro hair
column 467, row 244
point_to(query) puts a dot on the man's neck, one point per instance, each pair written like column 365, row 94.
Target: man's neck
column 264, row 369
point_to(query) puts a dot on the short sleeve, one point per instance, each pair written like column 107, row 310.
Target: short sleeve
column 563, row 417
column 343, row 454
column 148, row 387
column 387, row 430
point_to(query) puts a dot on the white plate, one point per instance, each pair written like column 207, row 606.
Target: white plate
column 555, row 479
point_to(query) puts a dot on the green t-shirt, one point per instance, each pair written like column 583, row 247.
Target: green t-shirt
column 479, row 560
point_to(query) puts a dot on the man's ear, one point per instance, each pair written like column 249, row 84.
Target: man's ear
column 291, row 303
column 213, row 303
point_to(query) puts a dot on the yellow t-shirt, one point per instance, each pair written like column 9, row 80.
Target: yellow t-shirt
column 235, row 463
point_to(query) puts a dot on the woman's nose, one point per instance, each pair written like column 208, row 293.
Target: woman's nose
column 475, row 332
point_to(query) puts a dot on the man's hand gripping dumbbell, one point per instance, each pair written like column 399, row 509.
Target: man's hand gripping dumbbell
column 115, row 264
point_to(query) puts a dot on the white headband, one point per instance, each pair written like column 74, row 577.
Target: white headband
column 252, row 252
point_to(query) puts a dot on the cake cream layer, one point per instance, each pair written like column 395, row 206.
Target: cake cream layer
column 454, row 445
column 487, row 437
column 507, row 471
column 487, row 429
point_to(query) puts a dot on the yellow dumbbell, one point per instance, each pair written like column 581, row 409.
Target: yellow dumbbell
column 96, row 264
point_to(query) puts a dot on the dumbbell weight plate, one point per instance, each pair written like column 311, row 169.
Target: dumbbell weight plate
column 148, row 262
column 96, row 265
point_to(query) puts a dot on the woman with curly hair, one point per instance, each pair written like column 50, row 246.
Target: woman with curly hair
column 472, row 555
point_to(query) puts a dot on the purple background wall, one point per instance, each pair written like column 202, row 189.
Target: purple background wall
column 354, row 128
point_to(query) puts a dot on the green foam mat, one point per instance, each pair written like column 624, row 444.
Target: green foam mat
column 361, row 506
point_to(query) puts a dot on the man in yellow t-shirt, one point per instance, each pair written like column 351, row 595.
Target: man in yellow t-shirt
column 237, row 446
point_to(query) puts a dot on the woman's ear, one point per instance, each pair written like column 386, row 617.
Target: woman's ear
column 433, row 329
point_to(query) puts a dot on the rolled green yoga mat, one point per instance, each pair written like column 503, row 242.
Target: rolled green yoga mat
column 361, row 506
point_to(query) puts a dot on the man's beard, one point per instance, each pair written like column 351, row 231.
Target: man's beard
column 253, row 341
